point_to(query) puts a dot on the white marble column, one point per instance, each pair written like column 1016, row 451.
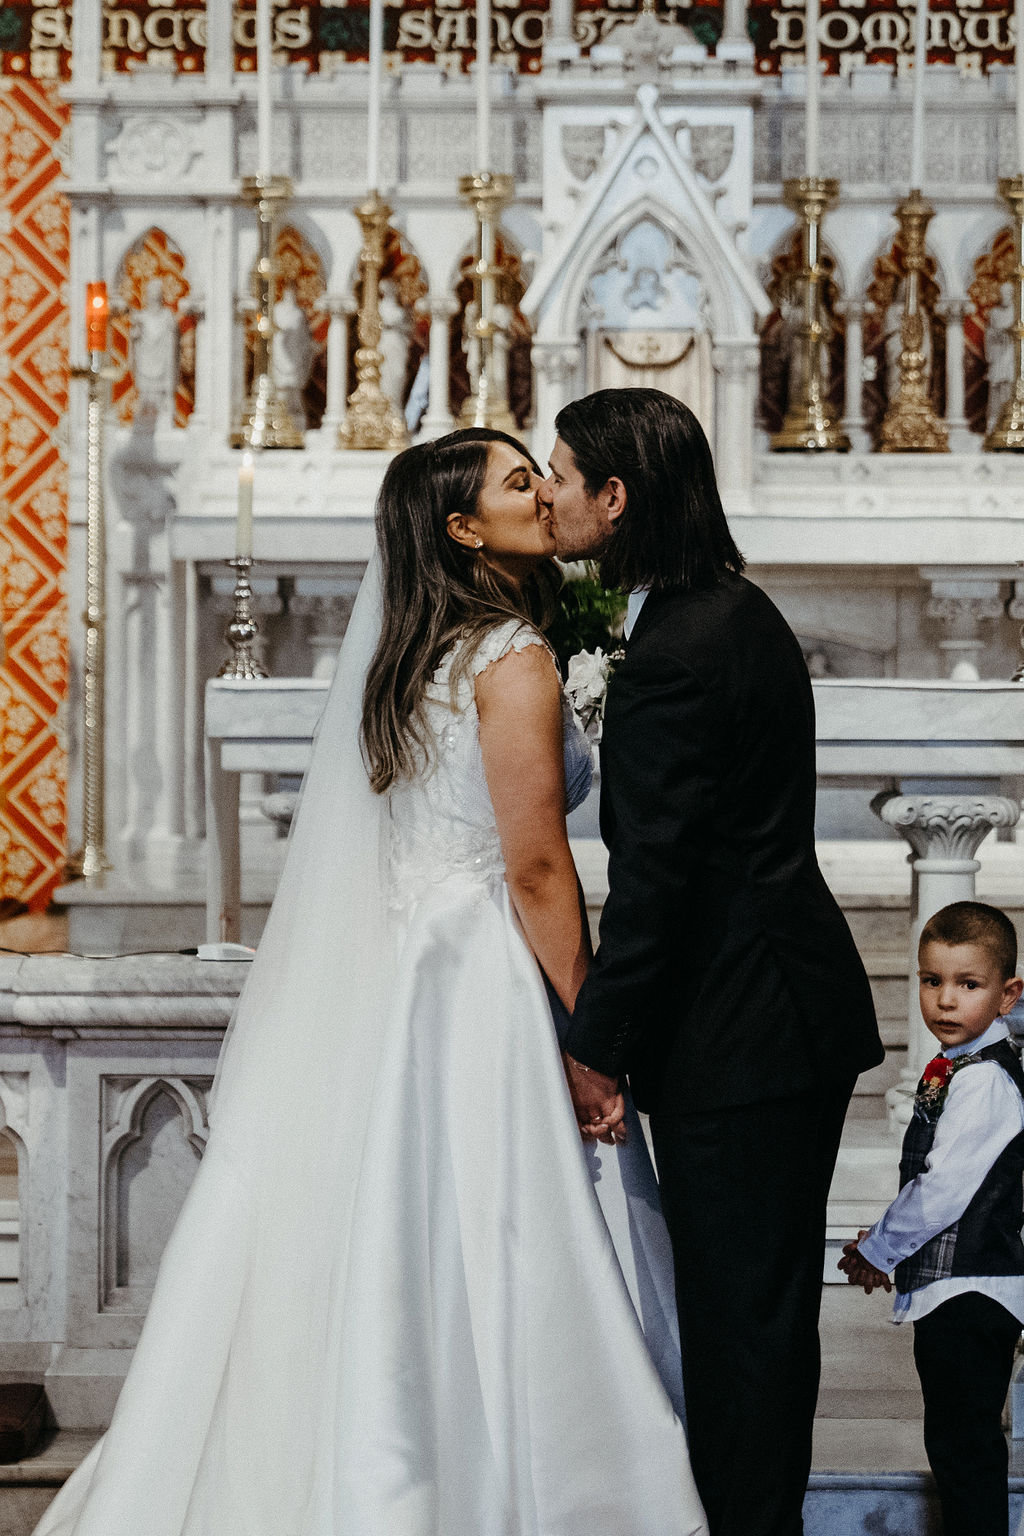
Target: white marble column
column 560, row 47
column 734, row 45
column 960, row 438
column 340, row 311
column 853, row 311
column 200, row 399
column 736, row 363
column 962, row 604
column 223, row 349
column 944, row 833
column 438, row 418
column 219, row 66
column 557, row 370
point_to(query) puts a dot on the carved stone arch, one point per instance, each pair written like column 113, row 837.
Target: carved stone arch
column 153, row 256
column 776, row 338
column 14, row 1174
column 728, row 313
column 511, row 287
column 403, row 277
column 881, row 326
column 128, row 1107
column 991, row 270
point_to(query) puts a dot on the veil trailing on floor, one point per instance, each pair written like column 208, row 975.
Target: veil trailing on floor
column 238, row 1346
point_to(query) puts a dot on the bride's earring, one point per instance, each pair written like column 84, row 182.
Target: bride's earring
column 479, row 544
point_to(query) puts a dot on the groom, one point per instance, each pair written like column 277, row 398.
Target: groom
column 726, row 985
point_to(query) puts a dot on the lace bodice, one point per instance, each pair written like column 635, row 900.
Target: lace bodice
column 442, row 821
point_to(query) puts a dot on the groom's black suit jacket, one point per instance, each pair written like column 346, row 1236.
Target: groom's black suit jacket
column 726, row 973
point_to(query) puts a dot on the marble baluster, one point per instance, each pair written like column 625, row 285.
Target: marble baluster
column 735, row 46
column 340, row 311
column 944, row 833
column 438, row 418
column 853, row 311
column 736, row 363
column 960, row 437
column 962, row 604
column 560, row 47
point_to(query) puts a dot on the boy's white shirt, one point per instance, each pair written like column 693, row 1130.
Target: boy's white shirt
column 982, row 1114
column 634, row 603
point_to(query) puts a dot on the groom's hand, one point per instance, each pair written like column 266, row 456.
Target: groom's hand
column 598, row 1102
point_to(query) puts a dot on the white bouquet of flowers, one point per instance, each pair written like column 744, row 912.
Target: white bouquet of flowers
column 587, row 685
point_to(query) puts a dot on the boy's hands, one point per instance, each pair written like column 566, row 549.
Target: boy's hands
column 859, row 1272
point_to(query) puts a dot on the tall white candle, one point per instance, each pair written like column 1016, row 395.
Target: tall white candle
column 264, row 87
column 812, row 53
column 1018, row 67
column 483, row 85
column 920, row 64
column 243, row 526
column 376, row 89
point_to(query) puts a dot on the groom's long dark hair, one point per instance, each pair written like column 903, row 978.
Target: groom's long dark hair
column 673, row 532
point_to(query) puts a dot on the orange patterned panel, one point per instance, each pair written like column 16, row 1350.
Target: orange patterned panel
column 34, row 236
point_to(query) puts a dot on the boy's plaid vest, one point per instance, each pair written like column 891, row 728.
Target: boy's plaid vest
column 987, row 1238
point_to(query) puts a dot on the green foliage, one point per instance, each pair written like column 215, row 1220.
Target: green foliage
column 589, row 615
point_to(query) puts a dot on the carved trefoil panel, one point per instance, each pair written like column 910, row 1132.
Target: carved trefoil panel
column 153, row 1131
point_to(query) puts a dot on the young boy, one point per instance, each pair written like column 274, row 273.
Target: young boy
column 953, row 1233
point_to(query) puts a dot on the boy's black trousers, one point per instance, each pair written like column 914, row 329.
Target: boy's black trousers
column 964, row 1356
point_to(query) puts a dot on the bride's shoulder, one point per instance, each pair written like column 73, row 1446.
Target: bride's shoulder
column 503, row 640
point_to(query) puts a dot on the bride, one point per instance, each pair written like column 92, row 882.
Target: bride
column 404, row 1298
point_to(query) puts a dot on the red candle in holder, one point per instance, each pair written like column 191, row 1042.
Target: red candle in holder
column 97, row 313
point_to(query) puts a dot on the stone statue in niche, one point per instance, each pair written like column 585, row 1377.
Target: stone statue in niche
column 293, row 354
column 395, row 337
column 999, row 353
column 154, row 357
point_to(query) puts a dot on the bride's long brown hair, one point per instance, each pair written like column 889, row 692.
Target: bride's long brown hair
column 433, row 591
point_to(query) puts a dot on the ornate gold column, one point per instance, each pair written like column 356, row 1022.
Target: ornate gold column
column 371, row 420
column 264, row 421
column 910, row 425
column 486, row 405
column 1007, row 436
column 809, row 425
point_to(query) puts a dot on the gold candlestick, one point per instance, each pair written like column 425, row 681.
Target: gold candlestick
column 809, row 425
column 1007, row 436
column 91, row 858
column 371, row 420
column 910, row 425
column 265, row 421
column 486, row 405
column 242, row 665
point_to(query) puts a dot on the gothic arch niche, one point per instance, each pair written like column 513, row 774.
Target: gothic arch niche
column 299, row 275
column 646, row 316
column 885, row 295
column 509, row 291
column 988, row 341
column 153, row 259
column 405, row 328
column 154, row 1132
column 11, row 1159
column 778, row 332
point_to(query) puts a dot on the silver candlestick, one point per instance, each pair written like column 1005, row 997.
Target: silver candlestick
column 242, row 665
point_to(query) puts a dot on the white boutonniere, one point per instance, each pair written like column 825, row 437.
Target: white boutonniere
column 586, row 687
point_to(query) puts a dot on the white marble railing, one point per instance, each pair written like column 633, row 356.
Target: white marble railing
column 106, row 1069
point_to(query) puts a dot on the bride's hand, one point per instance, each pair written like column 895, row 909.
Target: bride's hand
column 599, row 1104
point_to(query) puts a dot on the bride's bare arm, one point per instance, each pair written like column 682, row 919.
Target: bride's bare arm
column 520, row 707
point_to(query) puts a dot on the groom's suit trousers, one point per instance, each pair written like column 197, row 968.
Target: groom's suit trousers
column 748, row 1281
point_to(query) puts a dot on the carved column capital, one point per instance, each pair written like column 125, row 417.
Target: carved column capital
column 556, row 361
column 946, row 829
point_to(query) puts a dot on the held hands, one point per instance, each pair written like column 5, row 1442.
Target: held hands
column 859, row 1272
column 598, row 1102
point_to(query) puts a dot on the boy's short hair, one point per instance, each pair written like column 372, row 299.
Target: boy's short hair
column 972, row 922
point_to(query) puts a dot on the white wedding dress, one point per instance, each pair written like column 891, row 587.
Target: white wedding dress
column 430, row 1318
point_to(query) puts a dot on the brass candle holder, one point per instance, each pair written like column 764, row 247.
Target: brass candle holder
column 1007, row 436
column 91, row 859
column 809, row 424
column 910, row 425
column 265, row 421
column 371, row 420
column 486, row 405
column 242, row 665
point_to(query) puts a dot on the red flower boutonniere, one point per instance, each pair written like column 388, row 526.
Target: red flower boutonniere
column 934, row 1085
